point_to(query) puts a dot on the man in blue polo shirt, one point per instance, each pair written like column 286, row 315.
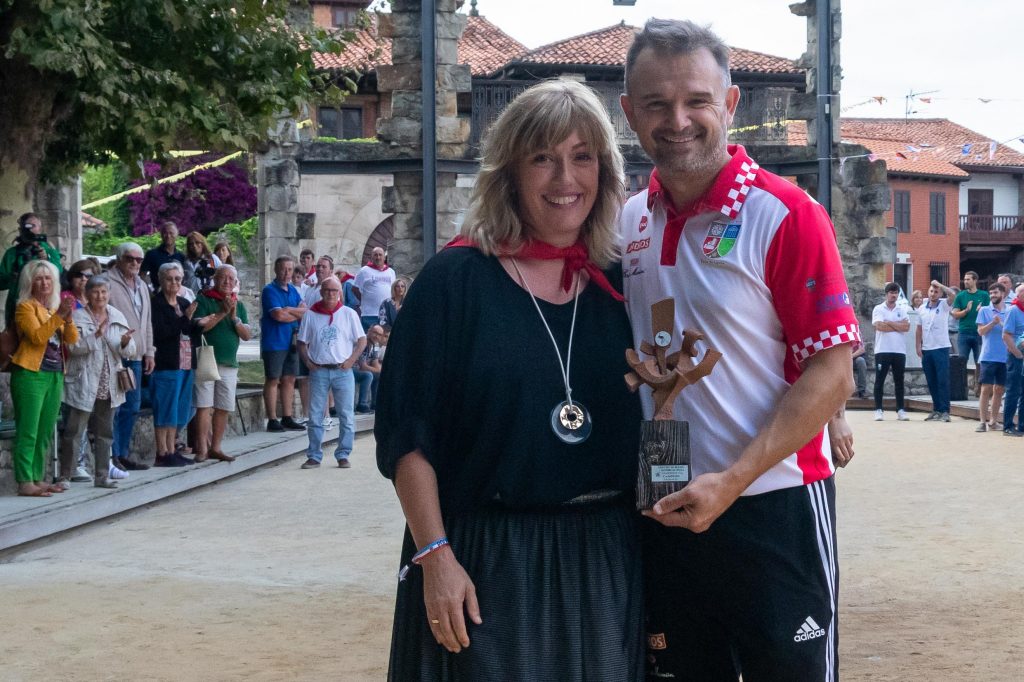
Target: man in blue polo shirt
column 1013, row 328
column 992, row 372
column 282, row 310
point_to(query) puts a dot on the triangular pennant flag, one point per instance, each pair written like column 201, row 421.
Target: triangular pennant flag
column 901, row 155
column 912, row 148
column 966, row 149
column 872, row 157
column 926, row 100
column 992, row 149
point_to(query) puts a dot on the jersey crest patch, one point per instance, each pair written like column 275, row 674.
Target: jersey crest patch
column 721, row 239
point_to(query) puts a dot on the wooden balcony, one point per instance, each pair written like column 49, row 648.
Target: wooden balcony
column 995, row 230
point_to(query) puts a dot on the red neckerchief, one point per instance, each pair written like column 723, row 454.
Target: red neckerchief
column 726, row 195
column 319, row 307
column 217, row 296
column 346, row 277
column 1020, row 304
column 312, row 271
column 576, row 258
column 382, row 268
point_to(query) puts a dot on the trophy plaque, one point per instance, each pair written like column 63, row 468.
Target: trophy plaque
column 664, row 442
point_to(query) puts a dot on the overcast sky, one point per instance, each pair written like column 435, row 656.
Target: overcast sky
column 965, row 49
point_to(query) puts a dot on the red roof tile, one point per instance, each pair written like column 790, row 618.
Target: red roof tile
column 944, row 138
column 608, row 47
column 483, row 46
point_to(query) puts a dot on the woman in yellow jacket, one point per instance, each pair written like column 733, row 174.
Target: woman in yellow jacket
column 43, row 321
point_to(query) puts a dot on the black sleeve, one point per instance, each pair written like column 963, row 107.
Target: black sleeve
column 414, row 372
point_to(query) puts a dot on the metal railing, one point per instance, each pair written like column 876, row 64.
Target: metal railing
column 990, row 223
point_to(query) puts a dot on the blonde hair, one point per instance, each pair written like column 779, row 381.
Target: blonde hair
column 28, row 273
column 541, row 118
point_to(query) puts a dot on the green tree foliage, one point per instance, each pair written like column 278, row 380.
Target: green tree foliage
column 81, row 80
column 99, row 182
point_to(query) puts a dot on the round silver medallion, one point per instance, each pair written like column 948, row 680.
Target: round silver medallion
column 571, row 423
column 663, row 339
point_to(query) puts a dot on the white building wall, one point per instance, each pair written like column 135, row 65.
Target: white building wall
column 347, row 209
column 1005, row 195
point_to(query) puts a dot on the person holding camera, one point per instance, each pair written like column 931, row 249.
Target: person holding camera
column 30, row 244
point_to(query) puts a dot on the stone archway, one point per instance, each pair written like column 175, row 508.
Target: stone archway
column 383, row 236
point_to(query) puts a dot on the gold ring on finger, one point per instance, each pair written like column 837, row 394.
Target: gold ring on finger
column 434, row 621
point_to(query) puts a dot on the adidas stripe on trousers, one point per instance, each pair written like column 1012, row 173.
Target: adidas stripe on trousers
column 756, row 594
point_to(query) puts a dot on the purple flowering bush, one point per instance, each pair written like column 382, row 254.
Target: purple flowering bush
column 203, row 201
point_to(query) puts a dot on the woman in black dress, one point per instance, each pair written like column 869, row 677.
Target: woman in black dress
column 505, row 423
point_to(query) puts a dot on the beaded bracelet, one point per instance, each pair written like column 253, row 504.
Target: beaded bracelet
column 432, row 547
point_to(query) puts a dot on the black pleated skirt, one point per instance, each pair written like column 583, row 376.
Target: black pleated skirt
column 560, row 594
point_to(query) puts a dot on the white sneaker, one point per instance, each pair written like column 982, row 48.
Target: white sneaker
column 878, row 415
column 82, row 475
column 328, row 422
column 902, row 416
column 115, row 473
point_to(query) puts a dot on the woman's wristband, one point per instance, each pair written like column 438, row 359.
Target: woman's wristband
column 432, row 547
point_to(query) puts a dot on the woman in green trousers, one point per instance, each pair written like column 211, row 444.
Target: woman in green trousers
column 43, row 321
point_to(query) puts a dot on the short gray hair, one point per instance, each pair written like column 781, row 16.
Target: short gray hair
column 126, row 247
column 220, row 271
column 97, row 281
column 677, row 37
column 161, row 274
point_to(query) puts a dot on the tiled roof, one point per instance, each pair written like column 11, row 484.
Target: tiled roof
column 944, row 138
column 608, row 47
column 940, row 142
column 486, row 48
column 483, row 46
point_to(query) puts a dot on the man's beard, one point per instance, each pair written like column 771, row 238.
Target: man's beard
column 704, row 160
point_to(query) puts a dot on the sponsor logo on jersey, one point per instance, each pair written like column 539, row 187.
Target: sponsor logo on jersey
column 808, row 630
column 643, row 223
column 638, row 245
column 656, row 641
column 832, row 302
column 721, row 239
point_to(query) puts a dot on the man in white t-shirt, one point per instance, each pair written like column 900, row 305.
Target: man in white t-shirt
column 330, row 340
column 933, row 347
column 891, row 325
column 373, row 286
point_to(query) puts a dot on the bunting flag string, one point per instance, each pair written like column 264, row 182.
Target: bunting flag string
column 160, row 181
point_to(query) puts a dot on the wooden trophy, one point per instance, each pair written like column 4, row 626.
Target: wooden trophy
column 664, row 442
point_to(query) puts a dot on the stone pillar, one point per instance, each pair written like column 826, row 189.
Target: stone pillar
column 277, row 198
column 402, row 130
column 60, row 208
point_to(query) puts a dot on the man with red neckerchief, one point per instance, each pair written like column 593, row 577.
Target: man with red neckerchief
column 741, row 563
column 373, row 286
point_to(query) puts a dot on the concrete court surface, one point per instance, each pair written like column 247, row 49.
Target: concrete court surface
column 289, row 575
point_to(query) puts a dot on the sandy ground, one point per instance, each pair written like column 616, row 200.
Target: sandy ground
column 289, row 574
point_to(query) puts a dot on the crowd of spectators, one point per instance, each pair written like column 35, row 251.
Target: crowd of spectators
column 167, row 326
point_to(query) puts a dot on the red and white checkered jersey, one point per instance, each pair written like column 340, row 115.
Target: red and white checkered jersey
column 755, row 266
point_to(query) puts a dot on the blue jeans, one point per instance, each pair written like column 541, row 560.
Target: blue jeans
column 966, row 342
column 124, row 420
column 936, row 371
column 364, row 384
column 341, row 383
column 1013, row 405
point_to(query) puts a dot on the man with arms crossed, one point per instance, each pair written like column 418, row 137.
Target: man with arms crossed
column 891, row 324
column 932, row 343
column 741, row 563
column 992, row 375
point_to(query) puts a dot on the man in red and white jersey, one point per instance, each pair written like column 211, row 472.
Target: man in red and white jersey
column 741, row 564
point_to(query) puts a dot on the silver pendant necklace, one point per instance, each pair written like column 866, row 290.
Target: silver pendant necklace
column 570, row 420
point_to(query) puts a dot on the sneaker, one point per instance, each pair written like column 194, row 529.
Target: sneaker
column 995, row 427
column 932, row 417
column 274, row 426
column 364, row 409
column 172, row 460
column 902, row 416
column 862, row 394
column 292, row 425
column 328, row 423
column 878, row 415
column 116, row 474
column 131, row 465
column 310, row 464
column 64, row 483
column 944, row 417
column 982, row 428
column 82, row 475
column 343, row 464
column 1013, row 432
